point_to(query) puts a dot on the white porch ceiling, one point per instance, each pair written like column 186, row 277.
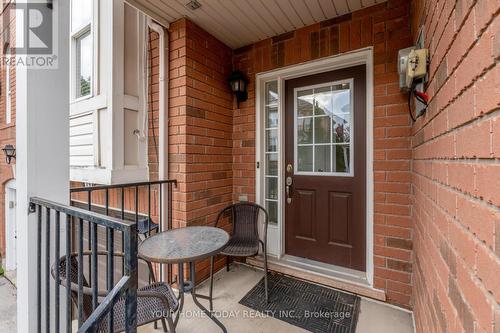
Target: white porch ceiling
column 242, row 22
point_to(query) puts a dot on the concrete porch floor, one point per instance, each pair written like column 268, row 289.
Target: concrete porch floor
column 230, row 287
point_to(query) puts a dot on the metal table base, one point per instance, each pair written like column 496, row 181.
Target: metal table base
column 189, row 286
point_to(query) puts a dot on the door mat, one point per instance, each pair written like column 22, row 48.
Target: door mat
column 309, row 306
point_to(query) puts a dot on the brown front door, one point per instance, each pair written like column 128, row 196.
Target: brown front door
column 325, row 167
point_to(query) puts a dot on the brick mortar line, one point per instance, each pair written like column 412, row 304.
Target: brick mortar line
column 396, row 271
column 397, row 226
column 425, row 235
column 452, row 101
column 392, row 215
column 454, row 38
column 215, row 89
column 442, row 32
column 470, row 122
column 476, row 242
column 423, row 305
column 461, row 60
column 485, row 71
column 457, row 191
column 428, row 17
column 479, row 161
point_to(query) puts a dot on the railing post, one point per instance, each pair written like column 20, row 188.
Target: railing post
column 130, row 237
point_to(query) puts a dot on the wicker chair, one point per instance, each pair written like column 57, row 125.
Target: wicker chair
column 155, row 302
column 245, row 238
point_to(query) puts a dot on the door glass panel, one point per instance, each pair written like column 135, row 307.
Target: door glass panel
column 271, row 164
column 305, row 130
column 272, row 117
column 322, row 158
column 305, row 100
column 305, row 158
column 323, row 101
column 272, row 210
column 341, row 158
column 272, row 94
column 272, row 140
column 323, row 129
column 272, row 186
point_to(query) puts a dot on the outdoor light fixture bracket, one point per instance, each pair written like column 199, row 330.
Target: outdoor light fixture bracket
column 239, row 84
column 10, row 153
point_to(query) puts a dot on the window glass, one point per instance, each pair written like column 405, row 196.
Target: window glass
column 323, row 129
column 83, row 61
column 271, row 148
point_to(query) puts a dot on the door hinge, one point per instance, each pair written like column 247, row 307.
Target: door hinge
column 258, row 165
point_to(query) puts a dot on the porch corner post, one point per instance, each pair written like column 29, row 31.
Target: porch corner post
column 42, row 147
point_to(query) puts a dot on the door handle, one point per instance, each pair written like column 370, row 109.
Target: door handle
column 289, row 182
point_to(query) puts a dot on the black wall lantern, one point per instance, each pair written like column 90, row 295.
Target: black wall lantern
column 239, row 84
column 10, row 153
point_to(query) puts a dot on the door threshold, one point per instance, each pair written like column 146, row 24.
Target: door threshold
column 325, row 274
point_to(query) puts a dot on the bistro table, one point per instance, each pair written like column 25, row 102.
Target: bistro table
column 185, row 246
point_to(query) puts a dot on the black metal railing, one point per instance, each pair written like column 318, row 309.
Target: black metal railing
column 67, row 271
column 141, row 202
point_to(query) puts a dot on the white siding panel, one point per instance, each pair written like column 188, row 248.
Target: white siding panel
column 290, row 13
column 368, row 3
column 223, row 18
column 81, row 161
column 328, row 8
column 274, row 9
column 242, row 22
column 354, row 5
column 261, row 9
column 315, row 10
column 302, row 10
column 81, row 138
column 216, row 26
column 341, row 6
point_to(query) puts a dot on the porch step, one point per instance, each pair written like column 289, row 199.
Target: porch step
column 307, row 274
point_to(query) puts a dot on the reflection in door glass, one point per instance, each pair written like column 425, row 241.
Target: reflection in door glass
column 305, row 102
column 305, row 158
column 323, row 134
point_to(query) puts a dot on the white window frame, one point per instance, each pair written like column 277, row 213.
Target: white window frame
column 351, row 141
column 8, row 88
column 75, row 34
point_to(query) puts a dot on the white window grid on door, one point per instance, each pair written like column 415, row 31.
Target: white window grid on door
column 332, row 144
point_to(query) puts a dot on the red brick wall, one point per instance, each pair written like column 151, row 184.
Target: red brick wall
column 200, row 125
column 386, row 27
column 154, row 104
column 456, row 175
column 7, row 132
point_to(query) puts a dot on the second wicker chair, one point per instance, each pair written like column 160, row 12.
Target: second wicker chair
column 245, row 240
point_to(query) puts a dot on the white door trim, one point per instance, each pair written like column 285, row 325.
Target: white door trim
column 10, row 226
column 359, row 57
